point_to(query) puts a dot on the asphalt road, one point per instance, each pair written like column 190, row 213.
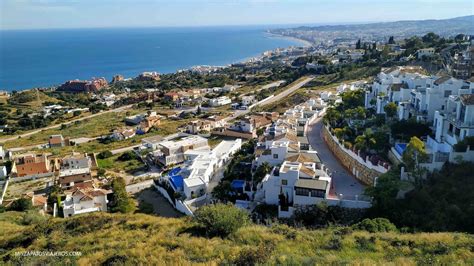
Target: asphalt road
column 343, row 181
column 277, row 97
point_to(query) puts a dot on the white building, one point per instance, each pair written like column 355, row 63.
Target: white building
column 3, row 172
column 454, row 124
column 2, row 153
column 248, row 100
column 201, row 165
column 427, row 52
column 172, row 151
column 80, row 201
column 299, row 180
column 229, row 88
column 220, row 101
column 416, row 95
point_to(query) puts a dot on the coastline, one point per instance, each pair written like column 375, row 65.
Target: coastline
column 305, row 43
column 264, row 33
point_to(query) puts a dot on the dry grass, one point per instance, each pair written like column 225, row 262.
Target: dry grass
column 144, row 239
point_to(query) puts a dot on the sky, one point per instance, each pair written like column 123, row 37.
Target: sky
column 48, row 14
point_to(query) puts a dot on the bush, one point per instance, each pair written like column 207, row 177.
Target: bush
column 21, row 205
column 375, row 225
column 145, row 207
column 101, row 172
column 121, row 200
column 33, row 217
column 221, row 219
column 104, row 154
column 127, row 156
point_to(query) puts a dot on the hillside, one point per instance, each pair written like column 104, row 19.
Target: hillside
column 401, row 29
column 143, row 239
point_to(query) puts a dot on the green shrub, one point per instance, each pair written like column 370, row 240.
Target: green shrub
column 365, row 244
column 121, row 200
column 127, row 156
column 21, row 205
column 145, row 207
column 221, row 219
column 104, row 154
column 375, row 225
column 32, row 217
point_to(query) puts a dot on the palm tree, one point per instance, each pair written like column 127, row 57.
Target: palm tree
column 366, row 141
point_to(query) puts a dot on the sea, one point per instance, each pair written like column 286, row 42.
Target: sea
column 43, row 58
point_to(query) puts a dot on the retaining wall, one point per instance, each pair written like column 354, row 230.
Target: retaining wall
column 364, row 171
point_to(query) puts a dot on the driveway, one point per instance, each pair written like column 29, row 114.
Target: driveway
column 343, row 181
column 161, row 206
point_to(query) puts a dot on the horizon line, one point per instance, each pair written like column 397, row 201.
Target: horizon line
column 303, row 24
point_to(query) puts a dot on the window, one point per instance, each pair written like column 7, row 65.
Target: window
column 301, row 191
column 315, row 193
column 275, row 156
column 284, row 182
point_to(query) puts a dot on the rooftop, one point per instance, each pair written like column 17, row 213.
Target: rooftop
column 193, row 182
column 312, row 184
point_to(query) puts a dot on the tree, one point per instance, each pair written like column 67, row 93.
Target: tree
column 358, row 46
column 366, row 141
column 261, row 171
column 54, row 195
column 121, row 200
column 104, row 154
column 390, row 109
column 127, row 156
column 430, row 38
column 221, row 219
column 391, row 40
column 459, row 38
column 414, row 154
column 21, row 205
column 405, row 129
column 384, row 193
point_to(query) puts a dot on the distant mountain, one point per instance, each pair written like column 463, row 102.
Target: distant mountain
column 458, row 25
column 444, row 27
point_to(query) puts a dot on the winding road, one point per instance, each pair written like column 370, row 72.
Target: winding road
column 343, row 181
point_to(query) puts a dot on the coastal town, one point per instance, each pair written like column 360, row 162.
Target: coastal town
column 358, row 128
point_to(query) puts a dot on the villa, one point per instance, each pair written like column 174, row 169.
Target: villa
column 172, row 151
column 85, row 200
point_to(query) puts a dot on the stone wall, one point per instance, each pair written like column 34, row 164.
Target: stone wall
column 362, row 171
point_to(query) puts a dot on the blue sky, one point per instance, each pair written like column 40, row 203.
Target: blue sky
column 31, row 14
